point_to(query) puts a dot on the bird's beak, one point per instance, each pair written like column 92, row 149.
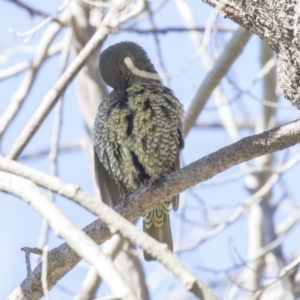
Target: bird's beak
column 122, row 93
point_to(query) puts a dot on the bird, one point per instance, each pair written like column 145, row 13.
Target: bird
column 137, row 133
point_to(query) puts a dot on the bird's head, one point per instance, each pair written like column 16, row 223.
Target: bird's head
column 123, row 61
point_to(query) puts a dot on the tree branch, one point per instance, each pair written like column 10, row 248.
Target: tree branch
column 28, row 80
column 63, row 227
column 112, row 19
column 24, row 65
column 144, row 200
column 231, row 52
column 176, row 29
column 33, row 11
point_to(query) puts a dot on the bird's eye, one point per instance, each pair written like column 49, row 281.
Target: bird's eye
column 120, row 72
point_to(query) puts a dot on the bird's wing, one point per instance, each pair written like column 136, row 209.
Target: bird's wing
column 108, row 189
column 175, row 199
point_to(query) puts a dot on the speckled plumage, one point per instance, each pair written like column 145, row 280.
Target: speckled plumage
column 137, row 137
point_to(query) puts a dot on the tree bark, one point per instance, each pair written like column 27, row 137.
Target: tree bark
column 276, row 22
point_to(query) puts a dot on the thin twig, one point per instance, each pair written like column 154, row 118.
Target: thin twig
column 235, row 177
column 14, row 70
column 283, row 272
column 30, row 33
column 288, row 223
column 24, row 65
column 110, row 21
column 231, row 52
column 177, row 29
column 76, row 145
column 53, row 155
column 34, row 11
column 157, row 43
column 200, row 44
column 27, row 83
column 254, row 199
column 248, row 91
column 260, row 220
column 36, row 251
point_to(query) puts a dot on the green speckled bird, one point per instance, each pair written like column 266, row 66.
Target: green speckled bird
column 137, row 132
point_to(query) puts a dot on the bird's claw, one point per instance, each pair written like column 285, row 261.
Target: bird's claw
column 124, row 198
column 150, row 183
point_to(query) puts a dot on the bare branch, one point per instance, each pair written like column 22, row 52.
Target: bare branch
column 157, row 42
column 53, row 95
column 26, row 85
column 92, row 280
column 177, row 30
column 33, row 11
column 76, row 145
column 36, row 251
column 254, row 199
column 144, row 200
column 24, row 65
column 14, row 70
column 64, row 228
column 47, row 209
column 30, row 33
column 231, row 52
column 56, row 133
column 260, row 221
column 284, row 272
column 288, row 223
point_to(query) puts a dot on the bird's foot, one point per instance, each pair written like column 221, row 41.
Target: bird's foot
column 150, row 183
column 124, row 198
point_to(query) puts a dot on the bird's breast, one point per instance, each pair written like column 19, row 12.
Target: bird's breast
column 139, row 138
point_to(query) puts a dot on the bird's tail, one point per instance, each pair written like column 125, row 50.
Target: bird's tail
column 157, row 225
